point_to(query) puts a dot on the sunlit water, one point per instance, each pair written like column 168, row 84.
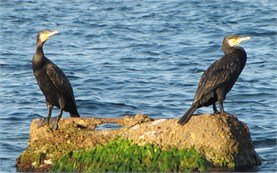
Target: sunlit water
column 128, row 57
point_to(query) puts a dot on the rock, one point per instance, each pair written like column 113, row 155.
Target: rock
column 221, row 138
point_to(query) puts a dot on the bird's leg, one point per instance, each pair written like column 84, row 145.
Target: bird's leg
column 220, row 103
column 50, row 108
column 214, row 108
column 45, row 121
column 62, row 105
column 220, row 97
column 56, row 123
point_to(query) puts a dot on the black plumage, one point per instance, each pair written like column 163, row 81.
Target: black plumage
column 220, row 77
column 52, row 82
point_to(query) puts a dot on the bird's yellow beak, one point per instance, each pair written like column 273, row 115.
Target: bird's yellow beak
column 46, row 35
column 243, row 39
column 49, row 34
column 53, row 33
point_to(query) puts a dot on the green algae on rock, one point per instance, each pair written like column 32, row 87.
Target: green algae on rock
column 123, row 156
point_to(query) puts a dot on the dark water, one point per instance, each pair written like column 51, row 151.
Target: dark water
column 128, row 57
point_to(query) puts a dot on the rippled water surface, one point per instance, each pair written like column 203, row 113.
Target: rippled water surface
column 128, row 57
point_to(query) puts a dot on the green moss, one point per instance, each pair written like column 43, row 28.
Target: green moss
column 39, row 159
column 124, row 156
column 227, row 164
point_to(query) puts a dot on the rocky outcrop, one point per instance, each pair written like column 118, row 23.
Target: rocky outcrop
column 221, row 138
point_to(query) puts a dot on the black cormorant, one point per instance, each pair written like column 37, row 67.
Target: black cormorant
column 220, row 77
column 52, row 82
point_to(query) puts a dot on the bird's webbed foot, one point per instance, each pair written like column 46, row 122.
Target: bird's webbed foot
column 43, row 122
column 55, row 126
column 217, row 112
column 223, row 112
column 55, row 121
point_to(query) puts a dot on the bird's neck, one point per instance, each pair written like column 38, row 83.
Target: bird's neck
column 39, row 49
column 38, row 58
column 227, row 49
column 237, row 49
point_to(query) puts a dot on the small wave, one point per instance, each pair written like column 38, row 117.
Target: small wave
column 99, row 105
column 265, row 142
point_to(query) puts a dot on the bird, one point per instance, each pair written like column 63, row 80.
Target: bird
column 220, row 76
column 52, row 82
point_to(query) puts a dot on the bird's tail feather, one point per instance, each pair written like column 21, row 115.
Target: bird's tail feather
column 186, row 117
column 74, row 114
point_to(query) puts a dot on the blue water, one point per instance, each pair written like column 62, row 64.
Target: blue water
column 128, row 57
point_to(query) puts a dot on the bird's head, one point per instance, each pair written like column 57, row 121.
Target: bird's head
column 231, row 41
column 44, row 35
column 235, row 40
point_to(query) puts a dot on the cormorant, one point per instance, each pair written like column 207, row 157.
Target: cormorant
column 52, row 82
column 220, row 77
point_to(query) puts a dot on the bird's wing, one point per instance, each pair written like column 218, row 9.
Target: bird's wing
column 218, row 74
column 59, row 80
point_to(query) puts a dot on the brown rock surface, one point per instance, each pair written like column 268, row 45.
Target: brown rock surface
column 222, row 138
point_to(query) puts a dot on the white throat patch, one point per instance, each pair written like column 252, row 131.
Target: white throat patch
column 232, row 42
